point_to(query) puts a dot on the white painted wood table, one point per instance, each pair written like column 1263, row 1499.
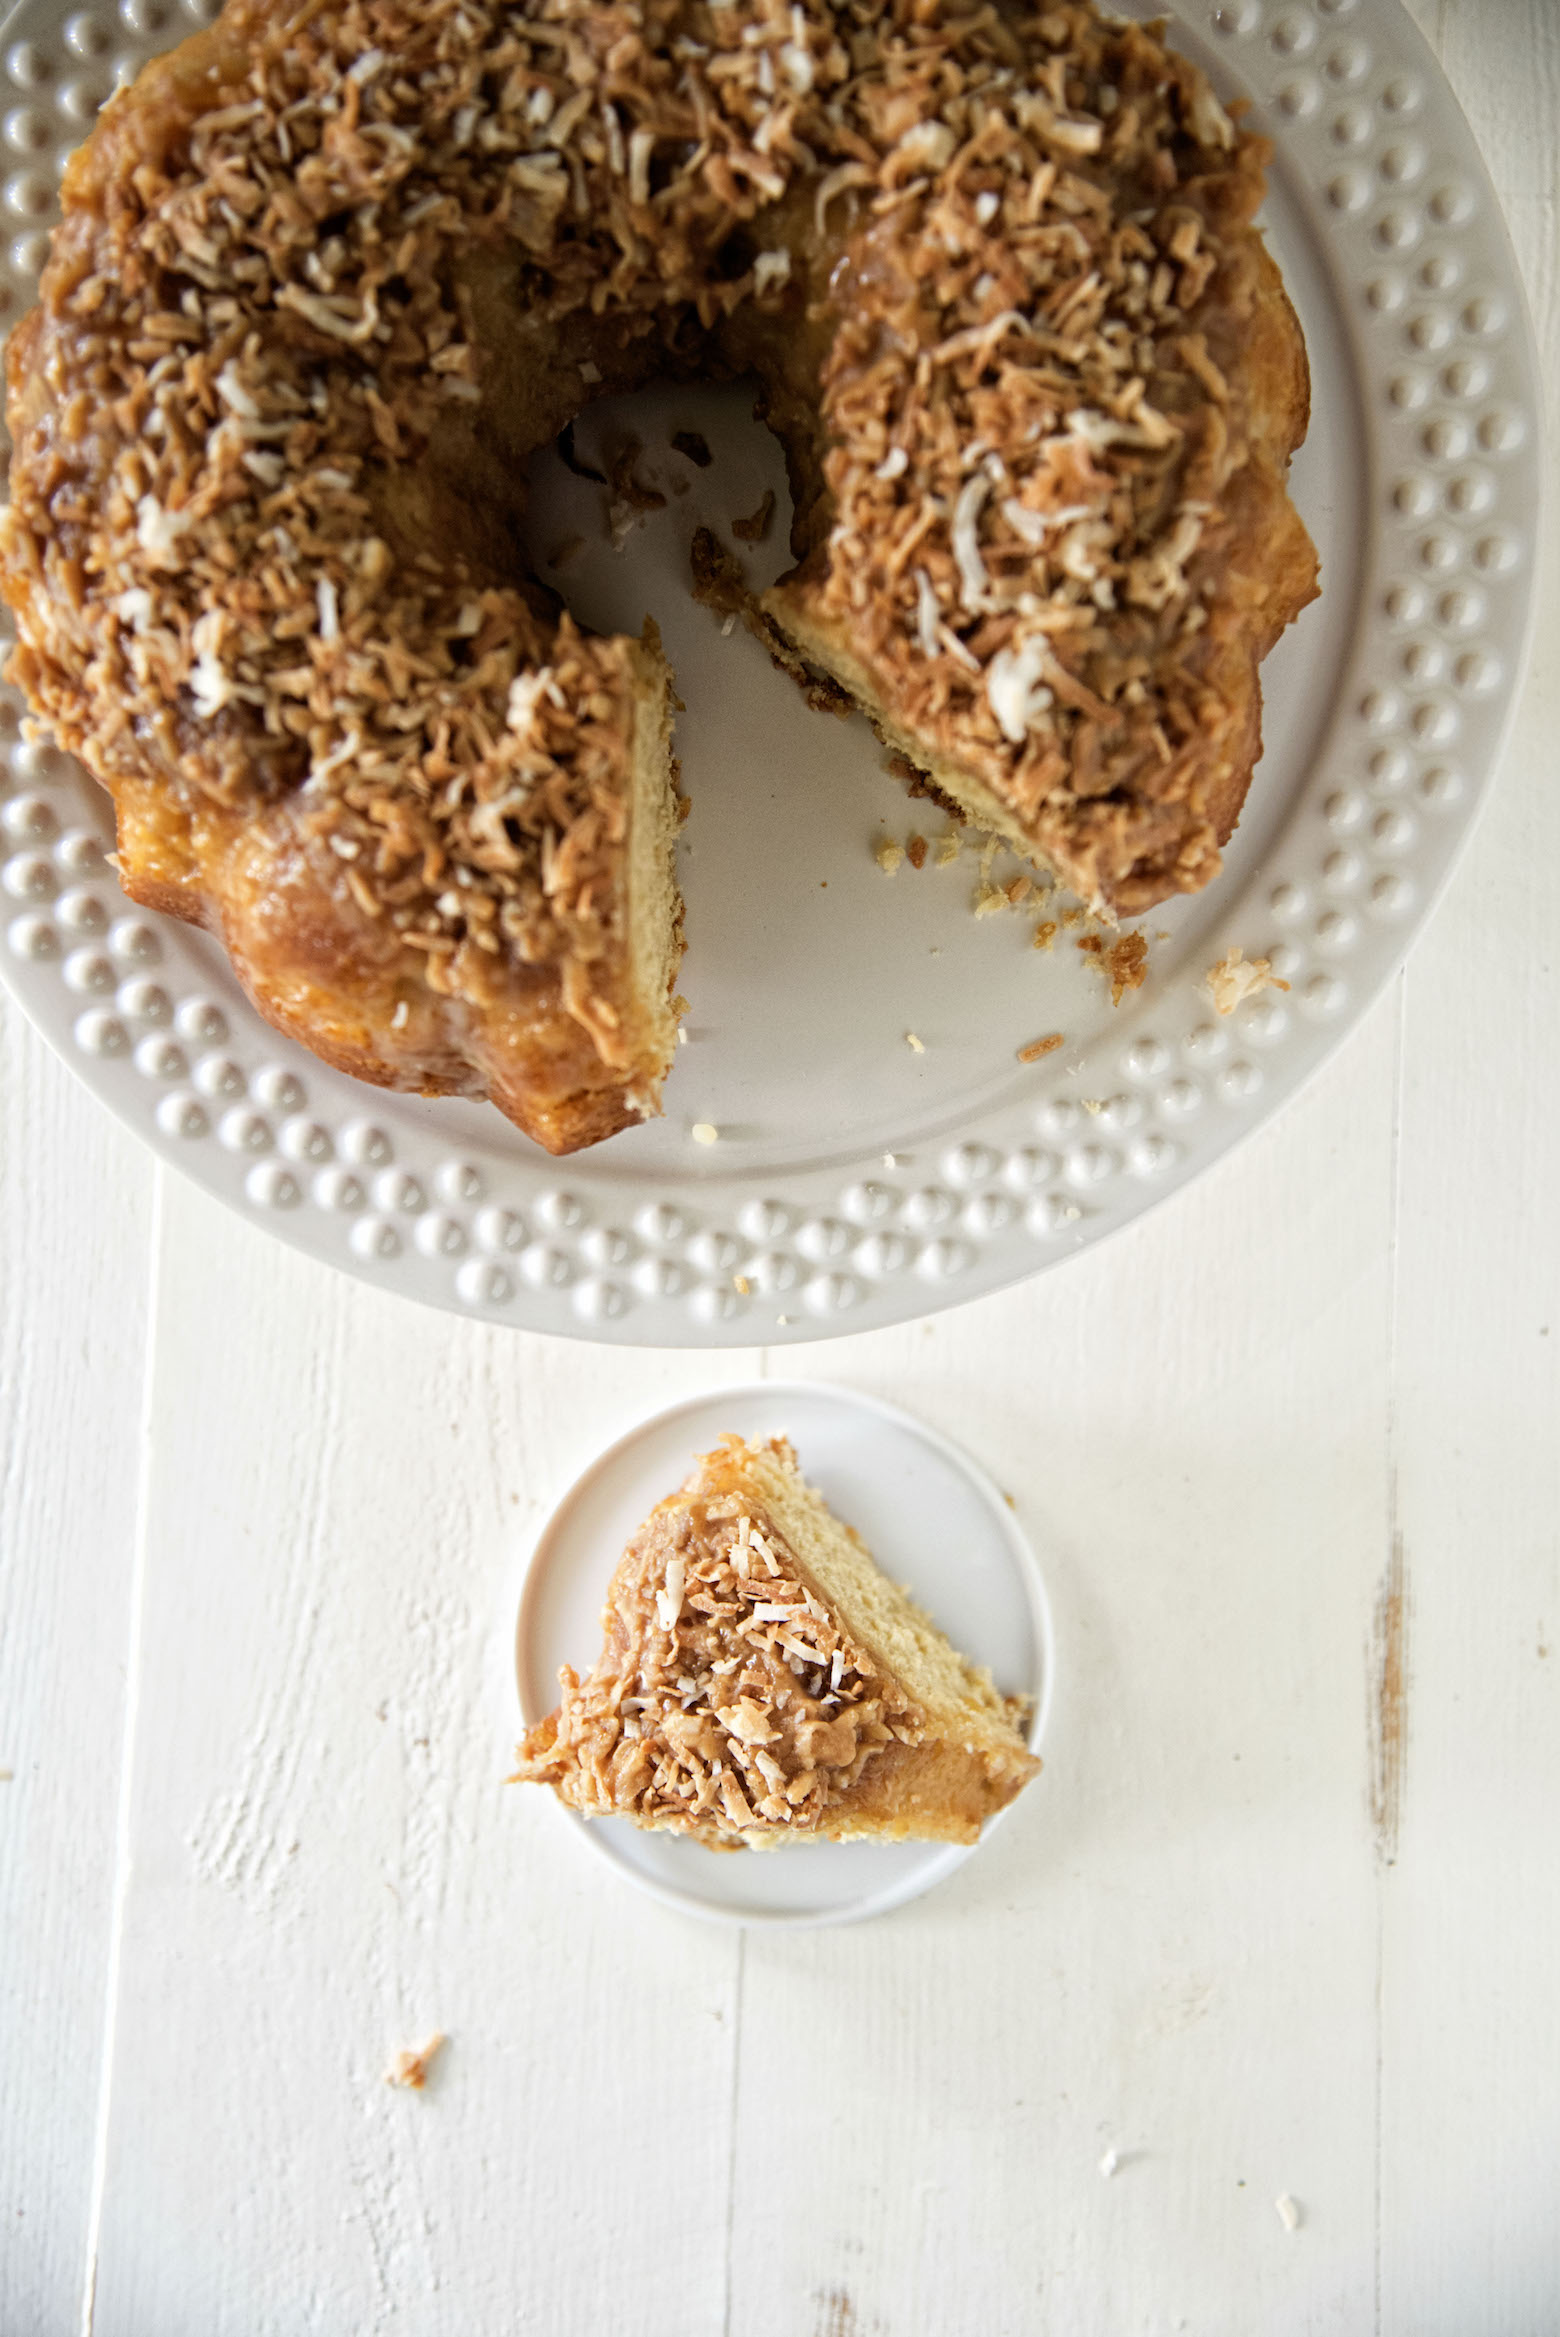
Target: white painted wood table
column 1266, row 1927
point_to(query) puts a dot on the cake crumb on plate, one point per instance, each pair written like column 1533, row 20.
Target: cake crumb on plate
column 1235, row 977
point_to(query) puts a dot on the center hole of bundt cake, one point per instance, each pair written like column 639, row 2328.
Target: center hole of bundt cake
column 613, row 505
column 810, row 968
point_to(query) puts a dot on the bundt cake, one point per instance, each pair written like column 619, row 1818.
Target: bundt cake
column 329, row 273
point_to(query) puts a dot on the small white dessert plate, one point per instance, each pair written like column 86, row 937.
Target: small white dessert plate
column 933, row 1520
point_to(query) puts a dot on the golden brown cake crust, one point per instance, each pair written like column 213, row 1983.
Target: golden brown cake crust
column 327, row 274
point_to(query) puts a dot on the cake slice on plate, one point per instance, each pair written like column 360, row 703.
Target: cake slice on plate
column 761, row 1681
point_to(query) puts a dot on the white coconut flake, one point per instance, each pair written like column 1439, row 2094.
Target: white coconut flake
column 366, row 67
column 928, row 145
column 1288, row 2212
column 771, row 268
column 134, row 608
column 668, row 1601
column 757, row 1542
column 330, row 615
column 1099, row 431
column 928, row 614
column 894, row 464
column 349, row 746
column 973, row 580
column 158, row 531
column 1109, row 2163
column 1074, row 136
column 641, row 146
column 526, row 692
column 210, row 682
column 1016, row 689
column 704, row 1132
column 797, row 66
column 1036, row 526
column 836, row 1667
column 234, row 396
column 589, row 374
column 987, row 206
column 1211, row 125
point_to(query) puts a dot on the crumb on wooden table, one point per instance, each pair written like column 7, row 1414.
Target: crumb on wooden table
column 1038, row 1047
column 915, row 851
column 887, row 854
column 705, row 1132
column 1235, row 977
column 411, row 2065
column 1045, row 933
column 915, row 1045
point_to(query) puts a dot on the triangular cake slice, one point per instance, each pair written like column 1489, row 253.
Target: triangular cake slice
column 761, row 1682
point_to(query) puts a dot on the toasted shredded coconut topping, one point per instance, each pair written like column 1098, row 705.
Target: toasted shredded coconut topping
column 727, row 1701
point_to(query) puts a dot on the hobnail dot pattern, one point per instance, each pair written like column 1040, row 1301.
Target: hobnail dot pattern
column 1404, row 209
